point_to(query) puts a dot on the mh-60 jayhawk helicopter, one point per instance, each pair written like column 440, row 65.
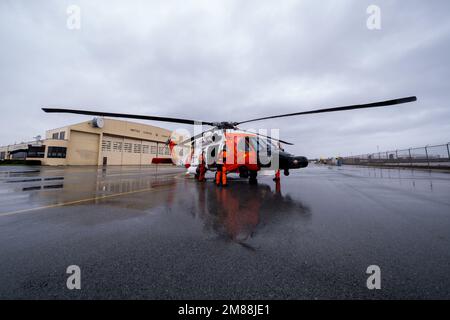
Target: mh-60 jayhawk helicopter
column 246, row 152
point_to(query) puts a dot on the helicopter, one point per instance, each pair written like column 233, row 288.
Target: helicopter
column 247, row 152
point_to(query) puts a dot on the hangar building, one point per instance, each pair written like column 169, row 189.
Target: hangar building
column 96, row 142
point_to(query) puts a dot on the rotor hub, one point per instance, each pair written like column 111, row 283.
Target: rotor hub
column 225, row 125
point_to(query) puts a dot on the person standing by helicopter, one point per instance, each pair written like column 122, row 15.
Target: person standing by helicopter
column 277, row 171
column 277, row 175
column 221, row 174
column 201, row 167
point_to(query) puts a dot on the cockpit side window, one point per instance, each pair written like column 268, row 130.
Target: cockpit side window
column 244, row 144
column 258, row 144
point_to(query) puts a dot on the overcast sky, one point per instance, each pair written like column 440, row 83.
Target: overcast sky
column 232, row 60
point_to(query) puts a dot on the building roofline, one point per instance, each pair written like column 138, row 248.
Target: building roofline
column 109, row 119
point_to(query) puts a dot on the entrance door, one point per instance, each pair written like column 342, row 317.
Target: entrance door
column 105, row 161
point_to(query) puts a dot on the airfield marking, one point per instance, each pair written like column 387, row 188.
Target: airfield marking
column 81, row 201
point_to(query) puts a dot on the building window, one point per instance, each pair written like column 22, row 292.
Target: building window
column 153, row 149
column 2, row 155
column 36, row 152
column 167, row 152
column 62, row 135
column 57, row 152
column 137, row 148
column 127, row 147
column 161, row 150
column 106, row 145
column 145, row 148
column 55, row 136
column 117, row 146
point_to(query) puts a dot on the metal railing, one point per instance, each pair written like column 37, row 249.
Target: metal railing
column 428, row 156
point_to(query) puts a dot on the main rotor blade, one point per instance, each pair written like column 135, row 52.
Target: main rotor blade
column 125, row 115
column 267, row 137
column 344, row 108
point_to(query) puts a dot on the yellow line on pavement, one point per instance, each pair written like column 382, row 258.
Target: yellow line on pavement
column 81, row 201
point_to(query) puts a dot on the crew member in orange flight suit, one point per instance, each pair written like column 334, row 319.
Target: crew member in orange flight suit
column 277, row 175
column 221, row 174
column 277, row 171
column 202, row 168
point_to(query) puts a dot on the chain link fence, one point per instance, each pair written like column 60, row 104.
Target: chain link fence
column 437, row 156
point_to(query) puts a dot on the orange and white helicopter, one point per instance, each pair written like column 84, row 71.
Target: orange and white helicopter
column 247, row 152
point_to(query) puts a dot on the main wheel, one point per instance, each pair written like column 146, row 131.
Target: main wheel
column 197, row 173
column 243, row 172
column 253, row 175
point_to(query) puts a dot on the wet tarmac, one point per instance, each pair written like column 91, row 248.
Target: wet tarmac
column 153, row 233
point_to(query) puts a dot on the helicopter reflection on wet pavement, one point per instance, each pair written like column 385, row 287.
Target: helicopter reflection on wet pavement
column 234, row 214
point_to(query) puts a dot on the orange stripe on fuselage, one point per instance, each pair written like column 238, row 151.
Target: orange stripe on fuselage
column 236, row 158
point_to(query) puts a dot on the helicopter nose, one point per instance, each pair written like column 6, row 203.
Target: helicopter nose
column 298, row 162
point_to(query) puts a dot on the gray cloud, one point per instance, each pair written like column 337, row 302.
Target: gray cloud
column 232, row 60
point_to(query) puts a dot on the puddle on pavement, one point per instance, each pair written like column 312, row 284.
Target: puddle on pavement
column 43, row 187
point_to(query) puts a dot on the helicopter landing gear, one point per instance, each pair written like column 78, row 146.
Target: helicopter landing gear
column 197, row 173
column 200, row 174
column 243, row 172
column 253, row 175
